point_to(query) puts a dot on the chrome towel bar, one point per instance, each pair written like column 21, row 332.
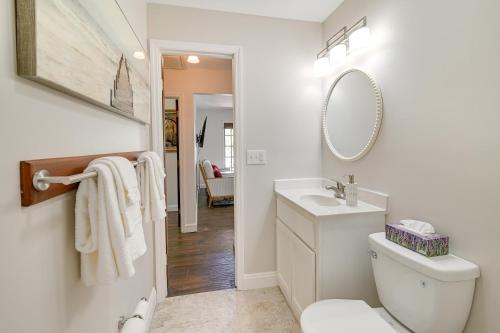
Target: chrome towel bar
column 42, row 178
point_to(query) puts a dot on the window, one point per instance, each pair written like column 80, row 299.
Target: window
column 228, row 146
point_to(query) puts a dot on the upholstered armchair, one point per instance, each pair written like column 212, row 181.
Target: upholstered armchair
column 221, row 188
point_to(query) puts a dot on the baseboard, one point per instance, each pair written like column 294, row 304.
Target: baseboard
column 189, row 228
column 258, row 280
column 151, row 309
column 173, row 208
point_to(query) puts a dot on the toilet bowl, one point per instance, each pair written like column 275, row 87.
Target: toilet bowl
column 341, row 315
column 427, row 295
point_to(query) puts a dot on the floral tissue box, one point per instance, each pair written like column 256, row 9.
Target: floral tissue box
column 431, row 245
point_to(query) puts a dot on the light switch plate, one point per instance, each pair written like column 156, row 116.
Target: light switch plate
column 256, row 157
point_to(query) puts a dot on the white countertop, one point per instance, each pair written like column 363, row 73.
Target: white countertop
column 293, row 190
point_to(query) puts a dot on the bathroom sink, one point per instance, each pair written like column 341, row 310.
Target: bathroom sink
column 311, row 195
column 320, row 200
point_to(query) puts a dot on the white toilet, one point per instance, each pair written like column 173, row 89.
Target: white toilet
column 427, row 295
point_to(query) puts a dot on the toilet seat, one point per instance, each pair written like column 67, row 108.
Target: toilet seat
column 342, row 316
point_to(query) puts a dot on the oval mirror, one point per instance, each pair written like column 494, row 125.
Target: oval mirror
column 352, row 115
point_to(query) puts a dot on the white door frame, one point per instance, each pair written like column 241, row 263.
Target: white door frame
column 156, row 49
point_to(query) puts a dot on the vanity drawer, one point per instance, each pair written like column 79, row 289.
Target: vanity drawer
column 298, row 223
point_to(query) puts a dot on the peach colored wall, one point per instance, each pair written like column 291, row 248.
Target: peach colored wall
column 185, row 83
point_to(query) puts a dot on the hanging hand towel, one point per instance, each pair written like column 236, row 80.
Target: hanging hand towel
column 128, row 195
column 106, row 252
column 151, row 177
column 127, row 190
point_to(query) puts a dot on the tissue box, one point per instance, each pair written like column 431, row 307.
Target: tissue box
column 429, row 245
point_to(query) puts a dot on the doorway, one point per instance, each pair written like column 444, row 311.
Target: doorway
column 200, row 246
column 157, row 48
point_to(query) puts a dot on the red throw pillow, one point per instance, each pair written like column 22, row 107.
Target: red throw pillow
column 217, row 173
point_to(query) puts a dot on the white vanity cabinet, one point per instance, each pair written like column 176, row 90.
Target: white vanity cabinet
column 296, row 265
column 322, row 246
column 284, row 259
column 303, row 276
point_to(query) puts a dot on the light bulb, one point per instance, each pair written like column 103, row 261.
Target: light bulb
column 359, row 39
column 139, row 55
column 321, row 66
column 192, row 59
column 338, row 55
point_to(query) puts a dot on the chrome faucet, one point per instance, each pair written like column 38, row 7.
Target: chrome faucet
column 339, row 189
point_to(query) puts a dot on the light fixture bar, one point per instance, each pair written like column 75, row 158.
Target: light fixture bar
column 332, row 40
column 335, row 39
column 361, row 23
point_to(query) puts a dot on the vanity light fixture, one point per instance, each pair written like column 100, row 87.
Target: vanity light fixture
column 321, row 66
column 192, row 59
column 359, row 39
column 338, row 54
column 343, row 41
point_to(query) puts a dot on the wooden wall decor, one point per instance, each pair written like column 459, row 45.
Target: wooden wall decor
column 87, row 49
column 64, row 166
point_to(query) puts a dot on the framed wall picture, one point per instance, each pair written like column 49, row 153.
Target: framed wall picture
column 171, row 134
column 170, row 121
column 87, row 49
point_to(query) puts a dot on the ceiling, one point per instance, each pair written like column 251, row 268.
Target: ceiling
column 213, row 101
column 307, row 10
column 206, row 62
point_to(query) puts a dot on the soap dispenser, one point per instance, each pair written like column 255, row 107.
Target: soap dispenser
column 351, row 192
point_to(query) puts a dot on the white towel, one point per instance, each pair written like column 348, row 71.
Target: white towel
column 106, row 252
column 126, row 172
column 127, row 191
column 151, row 184
column 419, row 227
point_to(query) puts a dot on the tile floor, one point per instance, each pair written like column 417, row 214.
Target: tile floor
column 226, row 311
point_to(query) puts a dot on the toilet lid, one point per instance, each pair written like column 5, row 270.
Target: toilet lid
column 342, row 316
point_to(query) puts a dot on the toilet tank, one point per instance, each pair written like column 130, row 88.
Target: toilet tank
column 428, row 295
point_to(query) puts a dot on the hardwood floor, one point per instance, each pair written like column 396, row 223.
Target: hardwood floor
column 204, row 260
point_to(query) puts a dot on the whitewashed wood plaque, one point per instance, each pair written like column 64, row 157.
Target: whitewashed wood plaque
column 87, row 49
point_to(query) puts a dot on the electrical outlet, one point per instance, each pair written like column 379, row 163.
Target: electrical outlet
column 256, row 157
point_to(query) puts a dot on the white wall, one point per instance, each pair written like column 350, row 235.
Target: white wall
column 437, row 156
column 41, row 291
column 137, row 14
column 281, row 105
column 171, row 171
column 213, row 148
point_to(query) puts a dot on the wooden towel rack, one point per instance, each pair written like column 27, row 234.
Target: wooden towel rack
column 63, row 166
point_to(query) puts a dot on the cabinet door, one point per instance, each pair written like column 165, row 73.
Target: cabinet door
column 284, row 259
column 303, row 276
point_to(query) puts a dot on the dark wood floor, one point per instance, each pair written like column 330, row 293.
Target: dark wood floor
column 204, row 260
